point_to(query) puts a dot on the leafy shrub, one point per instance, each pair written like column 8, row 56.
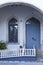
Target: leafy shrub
column 2, row 45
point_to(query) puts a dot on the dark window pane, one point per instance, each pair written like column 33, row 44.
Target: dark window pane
column 13, row 31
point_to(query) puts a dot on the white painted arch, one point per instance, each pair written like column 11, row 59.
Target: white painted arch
column 26, row 3
column 21, row 3
column 37, row 3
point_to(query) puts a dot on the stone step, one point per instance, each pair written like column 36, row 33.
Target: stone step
column 39, row 55
column 20, row 63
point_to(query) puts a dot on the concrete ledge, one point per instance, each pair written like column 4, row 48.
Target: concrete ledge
column 20, row 63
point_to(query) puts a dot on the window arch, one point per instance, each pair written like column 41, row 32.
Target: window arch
column 32, row 20
column 13, row 30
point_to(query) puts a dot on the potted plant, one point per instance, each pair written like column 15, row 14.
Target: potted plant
column 2, row 45
column 21, row 47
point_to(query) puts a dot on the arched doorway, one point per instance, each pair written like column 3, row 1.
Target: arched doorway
column 32, row 33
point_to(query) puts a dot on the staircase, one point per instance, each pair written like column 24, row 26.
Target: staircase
column 39, row 55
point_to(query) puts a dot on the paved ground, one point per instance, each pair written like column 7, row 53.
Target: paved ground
column 20, row 63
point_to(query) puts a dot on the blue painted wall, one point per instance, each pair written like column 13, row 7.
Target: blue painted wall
column 23, row 58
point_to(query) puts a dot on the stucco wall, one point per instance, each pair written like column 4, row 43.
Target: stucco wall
column 21, row 13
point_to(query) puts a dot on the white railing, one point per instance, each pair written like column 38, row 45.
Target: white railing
column 17, row 53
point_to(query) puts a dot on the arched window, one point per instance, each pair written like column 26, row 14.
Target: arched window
column 13, row 30
column 32, row 21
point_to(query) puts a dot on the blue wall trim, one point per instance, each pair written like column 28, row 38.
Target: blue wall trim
column 24, row 58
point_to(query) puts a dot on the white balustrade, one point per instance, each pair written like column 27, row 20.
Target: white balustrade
column 17, row 53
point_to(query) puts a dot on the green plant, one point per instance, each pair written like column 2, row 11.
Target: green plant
column 2, row 45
